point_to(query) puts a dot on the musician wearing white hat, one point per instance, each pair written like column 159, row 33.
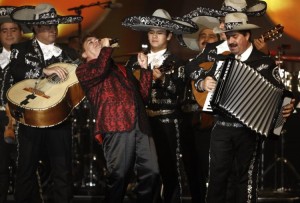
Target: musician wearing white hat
column 30, row 60
column 234, row 145
column 163, row 107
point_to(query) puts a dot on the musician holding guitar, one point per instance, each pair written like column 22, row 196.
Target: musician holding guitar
column 31, row 60
column 197, row 125
column 163, row 107
column 233, row 146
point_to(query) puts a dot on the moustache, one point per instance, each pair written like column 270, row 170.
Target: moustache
column 232, row 45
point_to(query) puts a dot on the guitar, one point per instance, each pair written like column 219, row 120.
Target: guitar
column 9, row 131
column 163, row 69
column 274, row 33
column 45, row 102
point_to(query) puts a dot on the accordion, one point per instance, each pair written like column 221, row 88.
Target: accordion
column 244, row 94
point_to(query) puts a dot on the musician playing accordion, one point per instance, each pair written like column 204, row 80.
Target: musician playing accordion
column 234, row 146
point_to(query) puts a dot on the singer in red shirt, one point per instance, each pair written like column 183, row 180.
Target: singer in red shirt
column 117, row 99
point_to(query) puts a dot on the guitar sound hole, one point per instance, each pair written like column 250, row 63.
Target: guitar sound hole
column 54, row 79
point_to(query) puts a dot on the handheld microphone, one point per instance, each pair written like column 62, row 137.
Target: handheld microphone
column 113, row 41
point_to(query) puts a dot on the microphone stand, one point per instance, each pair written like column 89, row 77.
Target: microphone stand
column 78, row 12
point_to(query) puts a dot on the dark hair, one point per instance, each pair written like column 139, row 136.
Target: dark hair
column 243, row 32
column 84, row 38
column 19, row 26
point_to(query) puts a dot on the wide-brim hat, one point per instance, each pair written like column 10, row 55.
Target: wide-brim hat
column 160, row 19
column 191, row 40
column 42, row 14
column 235, row 22
column 230, row 6
column 5, row 12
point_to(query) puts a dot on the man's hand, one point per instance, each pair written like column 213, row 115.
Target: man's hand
column 59, row 71
column 208, row 84
column 143, row 60
column 288, row 109
column 261, row 45
column 157, row 73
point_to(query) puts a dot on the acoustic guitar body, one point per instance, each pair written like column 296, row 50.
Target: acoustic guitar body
column 45, row 102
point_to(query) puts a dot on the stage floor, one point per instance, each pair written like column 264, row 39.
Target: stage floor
column 267, row 196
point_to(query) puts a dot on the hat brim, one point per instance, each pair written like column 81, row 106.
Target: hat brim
column 203, row 22
column 5, row 12
column 25, row 15
column 256, row 10
column 217, row 30
column 145, row 23
column 7, row 19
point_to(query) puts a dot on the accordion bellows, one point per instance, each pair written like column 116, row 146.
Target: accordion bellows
column 243, row 93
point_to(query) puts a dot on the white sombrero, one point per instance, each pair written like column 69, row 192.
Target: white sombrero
column 160, row 19
column 191, row 40
column 235, row 22
column 42, row 14
column 230, row 6
column 5, row 12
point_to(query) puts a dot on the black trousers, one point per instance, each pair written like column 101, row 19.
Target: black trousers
column 56, row 141
column 166, row 135
column 195, row 154
column 125, row 154
column 6, row 153
column 234, row 161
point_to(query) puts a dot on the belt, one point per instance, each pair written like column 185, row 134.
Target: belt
column 2, row 108
column 152, row 113
column 190, row 108
column 229, row 124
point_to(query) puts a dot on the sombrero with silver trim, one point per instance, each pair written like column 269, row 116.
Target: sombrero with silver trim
column 191, row 40
column 235, row 22
column 230, row 6
column 5, row 12
column 160, row 19
column 42, row 14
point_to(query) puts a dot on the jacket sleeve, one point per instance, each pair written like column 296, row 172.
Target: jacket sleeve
column 145, row 83
column 95, row 71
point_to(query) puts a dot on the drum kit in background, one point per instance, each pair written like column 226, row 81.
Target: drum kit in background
column 88, row 162
column 280, row 169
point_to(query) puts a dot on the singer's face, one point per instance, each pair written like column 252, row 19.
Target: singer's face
column 92, row 48
column 158, row 39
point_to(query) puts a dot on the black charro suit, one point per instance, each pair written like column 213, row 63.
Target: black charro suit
column 27, row 61
column 233, row 144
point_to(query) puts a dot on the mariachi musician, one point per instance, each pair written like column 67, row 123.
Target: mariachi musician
column 163, row 108
column 10, row 33
column 29, row 60
column 234, row 146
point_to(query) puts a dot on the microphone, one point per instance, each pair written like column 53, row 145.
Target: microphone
column 112, row 5
column 113, row 41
